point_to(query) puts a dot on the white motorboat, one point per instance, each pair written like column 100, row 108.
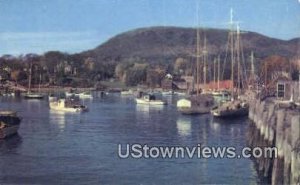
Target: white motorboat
column 127, row 93
column 85, row 95
column 67, row 105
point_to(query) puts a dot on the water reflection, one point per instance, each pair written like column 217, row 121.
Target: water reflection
column 146, row 109
column 184, row 126
column 10, row 143
column 59, row 118
column 215, row 126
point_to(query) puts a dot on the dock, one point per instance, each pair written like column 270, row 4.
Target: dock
column 276, row 124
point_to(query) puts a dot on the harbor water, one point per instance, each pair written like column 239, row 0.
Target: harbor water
column 68, row 148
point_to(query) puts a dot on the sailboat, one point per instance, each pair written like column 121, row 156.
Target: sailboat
column 235, row 107
column 199, row 103
column 31, row 95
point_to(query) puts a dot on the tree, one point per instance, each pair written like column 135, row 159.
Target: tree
column 180, row 65
column 275, row 66
column 155, row 76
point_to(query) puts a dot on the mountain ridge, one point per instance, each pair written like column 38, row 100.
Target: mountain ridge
column 168, row 43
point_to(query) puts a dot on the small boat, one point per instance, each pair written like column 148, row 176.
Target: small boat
column 180, row 93
column 220, row 93
column 150, row 100
column 9, row 123
column 68, row 94
column 85, row 95
column 200, row 104
column 167, row 93
column 67, row 105
column 9, row 94
column 72, row 93
column 127, row 93
column 33, row 96
column 235, row 108
column 51, row 98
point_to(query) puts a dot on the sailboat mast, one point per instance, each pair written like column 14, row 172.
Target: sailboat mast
column 204, row 63
column 232, row 51
column 198, row 59
column 218, row 72
column 40, row 82
column 238, row 60
column 29, row 80
column 215, row 73
column 252, row 65
column 198, row 52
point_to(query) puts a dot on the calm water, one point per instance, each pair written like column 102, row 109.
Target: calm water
column 54, row 148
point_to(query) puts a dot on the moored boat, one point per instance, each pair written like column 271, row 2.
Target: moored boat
column 67, row 105
column 127, row 93
column 85, row 95
column 220, row 93
column 9, row 123
column 201, row 104
column 235, row 108
column 150, row 100
column 167, row 93
column 33, row 96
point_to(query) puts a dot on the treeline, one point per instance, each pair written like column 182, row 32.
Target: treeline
column 55, row 68
column 79, row 70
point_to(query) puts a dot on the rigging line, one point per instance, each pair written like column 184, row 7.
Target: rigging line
column 226, row 55
column 244, row 66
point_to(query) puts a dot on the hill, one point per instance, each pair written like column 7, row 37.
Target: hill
column 168, row 43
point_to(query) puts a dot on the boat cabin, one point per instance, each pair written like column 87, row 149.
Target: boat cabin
column 196, row 101
column 149, row 97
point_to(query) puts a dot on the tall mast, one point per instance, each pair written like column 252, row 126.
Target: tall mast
column 238, row 59
column 198, row 59
column 29, row 80
column 218, row 72
column 198, row 51
column 232, row 52
column 204, row 63
column 252, row 65
column 215, row 73
column 40, row 82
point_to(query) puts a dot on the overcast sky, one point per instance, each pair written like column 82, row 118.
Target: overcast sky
column 37, row 26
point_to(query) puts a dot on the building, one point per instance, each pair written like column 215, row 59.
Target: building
column 288, row 90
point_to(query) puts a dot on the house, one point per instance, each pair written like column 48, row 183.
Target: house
column 288, row 90
column 167, row 83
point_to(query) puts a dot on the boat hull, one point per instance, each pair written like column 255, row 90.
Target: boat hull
column 33, row 96
column 194, row 110
column 231, row 113
column 151, row 102
column 9, row 123
column 54, row 106
column 9, row 131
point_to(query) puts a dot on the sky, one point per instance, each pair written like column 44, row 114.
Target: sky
column 37, row 26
